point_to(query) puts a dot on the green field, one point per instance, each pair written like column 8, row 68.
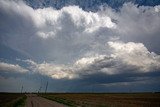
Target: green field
column 106, row 100
column 12, row 100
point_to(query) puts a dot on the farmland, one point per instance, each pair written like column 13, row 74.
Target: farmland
column 12, row 99
column 85, row 99
column 106, row 100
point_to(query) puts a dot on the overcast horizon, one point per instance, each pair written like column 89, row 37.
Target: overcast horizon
column 75, row 49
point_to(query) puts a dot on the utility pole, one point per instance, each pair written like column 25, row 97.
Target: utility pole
column 22, row 89
column 46, row 87
column 40, row 87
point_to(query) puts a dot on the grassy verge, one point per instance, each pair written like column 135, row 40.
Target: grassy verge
column 71, row 102
column 60, row 100
column 12, row 100
column 20, row 102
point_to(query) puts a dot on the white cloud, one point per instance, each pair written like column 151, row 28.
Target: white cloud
column 139, row 24
column 55, row 71
column 50, row 32
column 157, row 9
column 51, row 70
column 46, row 35
column 12, row 68
column 125, row 58
column 88, row 60
column 135, row 54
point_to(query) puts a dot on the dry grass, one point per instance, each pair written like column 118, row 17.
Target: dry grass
column 106, row 100
column 11, row 99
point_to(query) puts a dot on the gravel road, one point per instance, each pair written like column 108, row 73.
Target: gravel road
column 35, row 101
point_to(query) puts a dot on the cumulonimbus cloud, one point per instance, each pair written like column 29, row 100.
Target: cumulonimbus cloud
column 80, row 42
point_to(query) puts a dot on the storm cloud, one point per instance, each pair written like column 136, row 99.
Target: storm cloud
column 81, row 47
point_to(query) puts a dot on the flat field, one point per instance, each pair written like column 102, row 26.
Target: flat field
column 11, row 99
column 106, row 99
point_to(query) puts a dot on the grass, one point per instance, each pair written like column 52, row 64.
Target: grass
column 12, row 100
column 60, row 100
column 106, row 99
column 20, row 102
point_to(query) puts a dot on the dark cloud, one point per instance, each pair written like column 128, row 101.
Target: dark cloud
column 79, row 50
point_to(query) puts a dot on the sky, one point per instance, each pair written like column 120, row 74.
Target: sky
column 75, row 50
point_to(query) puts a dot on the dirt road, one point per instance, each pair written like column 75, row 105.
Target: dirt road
column 36, row 101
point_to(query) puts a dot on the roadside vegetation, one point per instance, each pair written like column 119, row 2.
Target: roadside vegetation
column 106, row 100
column 59, row 100
column 12, row 100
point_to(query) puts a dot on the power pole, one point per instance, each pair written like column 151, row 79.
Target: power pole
column 22, row 89
column 40, row 87
column 46, row 87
